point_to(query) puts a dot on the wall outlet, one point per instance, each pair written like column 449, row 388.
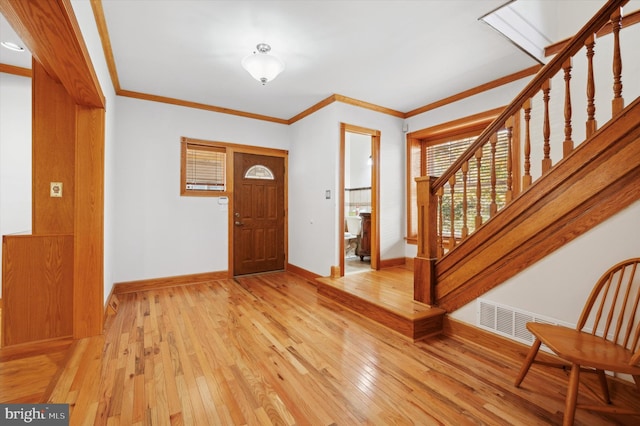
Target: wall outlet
column 56, row 189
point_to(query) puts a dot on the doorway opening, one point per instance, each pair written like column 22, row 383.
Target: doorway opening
column 358, row 230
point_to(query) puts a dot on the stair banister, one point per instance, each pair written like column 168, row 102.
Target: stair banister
column 545, row 73
column 424, row 265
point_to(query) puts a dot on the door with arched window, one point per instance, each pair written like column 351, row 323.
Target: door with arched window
column 259, row 213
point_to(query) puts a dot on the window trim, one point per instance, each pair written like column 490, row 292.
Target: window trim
column 417, row 142
column 207, row 146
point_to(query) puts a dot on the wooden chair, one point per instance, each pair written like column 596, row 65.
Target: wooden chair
column 605, row 339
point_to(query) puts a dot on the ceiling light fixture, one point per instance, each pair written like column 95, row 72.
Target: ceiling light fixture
column 12, row 46
column 262, row 66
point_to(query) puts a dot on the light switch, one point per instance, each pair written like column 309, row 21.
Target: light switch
column 56, row 189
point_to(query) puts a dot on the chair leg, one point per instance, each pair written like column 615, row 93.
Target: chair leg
column 528, row 361
column 572, row 396
column 604, row 386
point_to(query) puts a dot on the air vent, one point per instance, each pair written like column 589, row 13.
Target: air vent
column 510, row 322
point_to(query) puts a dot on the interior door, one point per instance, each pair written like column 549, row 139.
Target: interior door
column 258, row 228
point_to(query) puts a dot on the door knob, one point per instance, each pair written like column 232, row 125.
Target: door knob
column 238, row 223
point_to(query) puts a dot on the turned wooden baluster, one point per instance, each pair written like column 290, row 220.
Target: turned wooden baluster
column 617, row 104
column 546, row 127
column 591, row 88
column 452, row 211
column 567, row 145
column 526, row 177
column 478, row 188
column 509, row 127
column 465, row 176
column 494, row 207
column 439, row 194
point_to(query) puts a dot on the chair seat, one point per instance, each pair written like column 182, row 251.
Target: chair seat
column 584, row 349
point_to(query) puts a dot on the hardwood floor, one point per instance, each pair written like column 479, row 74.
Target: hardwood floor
column 268, row 349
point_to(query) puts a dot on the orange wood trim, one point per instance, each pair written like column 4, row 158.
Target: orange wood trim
column 323, row 103
column 631, row 19
column 40, row 347
column 375, row 191
column 308, row 275
column 375, row 204
column 500, row 345
column 58, row 45
column 341, row 213
column 196, row 105
column 88, row 289
column 103, row 32
column 475, row 122
column 175, row 281
column 367, row 105
column 390, row 263
column 474, row 91
column 12, row 69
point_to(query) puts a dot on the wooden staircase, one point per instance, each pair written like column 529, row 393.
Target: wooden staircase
column 592, row 182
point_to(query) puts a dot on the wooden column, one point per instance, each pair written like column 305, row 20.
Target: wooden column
column 424, row 263
column 88, row 274
column 68, row 147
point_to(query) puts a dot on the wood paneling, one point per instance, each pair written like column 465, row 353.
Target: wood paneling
column 597, row 180
column 37, row 279
column 88, row 223
column 54, row 157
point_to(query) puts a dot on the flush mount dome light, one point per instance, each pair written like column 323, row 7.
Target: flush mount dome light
column 261, row 65
column 12, row 46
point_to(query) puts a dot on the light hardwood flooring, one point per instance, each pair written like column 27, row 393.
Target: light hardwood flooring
column 268, row 349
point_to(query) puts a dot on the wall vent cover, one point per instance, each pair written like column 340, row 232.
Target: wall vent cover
column 510, row 322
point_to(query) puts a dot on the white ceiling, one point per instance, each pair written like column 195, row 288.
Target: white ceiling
column 398, row 54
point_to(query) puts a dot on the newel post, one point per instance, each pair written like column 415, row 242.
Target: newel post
column 424, row 263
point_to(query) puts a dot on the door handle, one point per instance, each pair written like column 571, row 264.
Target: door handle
column 238, row 223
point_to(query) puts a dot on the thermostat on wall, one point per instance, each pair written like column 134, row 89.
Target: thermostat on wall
column 223, row 200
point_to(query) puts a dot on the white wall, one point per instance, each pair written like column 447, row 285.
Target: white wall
column 357, row 171
column 313, row 167
column 158, row 233
column 15, row 156
column 558, row 285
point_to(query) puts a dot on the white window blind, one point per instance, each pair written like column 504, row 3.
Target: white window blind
column 205, row 168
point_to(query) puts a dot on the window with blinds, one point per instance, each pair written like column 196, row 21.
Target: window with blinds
column 203, row 169
column 438, row 158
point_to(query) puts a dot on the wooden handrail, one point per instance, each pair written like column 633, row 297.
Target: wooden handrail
column 548, row 71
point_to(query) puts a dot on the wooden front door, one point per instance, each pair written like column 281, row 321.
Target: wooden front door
column 258, row 216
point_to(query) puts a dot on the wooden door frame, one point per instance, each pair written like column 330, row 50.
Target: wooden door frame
column 246, row 149
column 375, row 192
